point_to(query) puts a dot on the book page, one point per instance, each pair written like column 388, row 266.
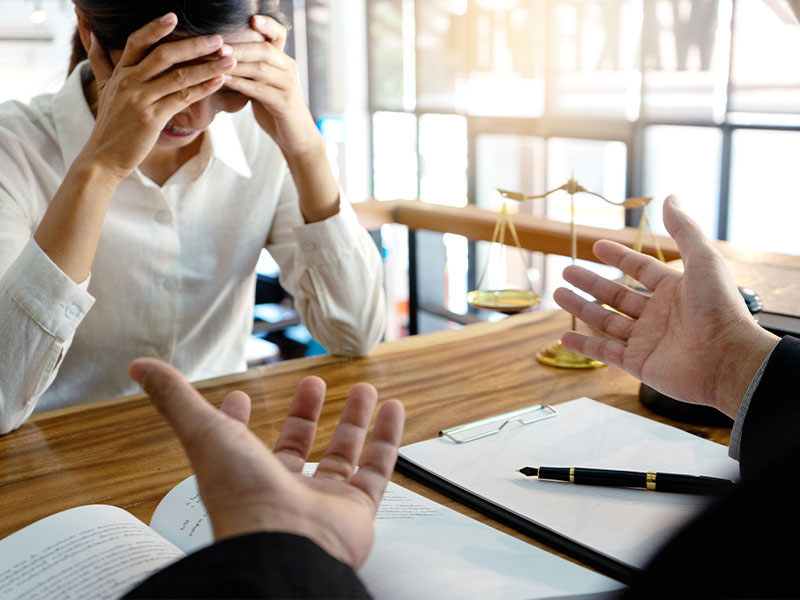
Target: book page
column 629, row 525
column 421, row 550
column 88, row 552
column 182, row 519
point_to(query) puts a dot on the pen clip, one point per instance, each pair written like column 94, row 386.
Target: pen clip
column 537, row 413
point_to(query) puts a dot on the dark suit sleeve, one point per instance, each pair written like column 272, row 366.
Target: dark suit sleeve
column 742, row 546
column 771, row 428
column 258, row 565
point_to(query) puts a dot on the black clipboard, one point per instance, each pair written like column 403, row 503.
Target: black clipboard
column 527, row 524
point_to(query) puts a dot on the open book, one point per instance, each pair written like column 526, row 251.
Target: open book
column 421, row 550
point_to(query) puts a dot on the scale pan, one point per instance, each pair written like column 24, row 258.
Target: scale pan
column 507, row 301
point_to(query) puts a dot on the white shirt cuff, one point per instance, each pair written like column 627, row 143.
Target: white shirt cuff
column 46, row 293
column 325, row 241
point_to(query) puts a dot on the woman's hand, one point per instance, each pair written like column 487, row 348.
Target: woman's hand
column 268, row 76
column 147, row 86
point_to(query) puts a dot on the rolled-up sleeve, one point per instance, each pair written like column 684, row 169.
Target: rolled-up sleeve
column 334, row 271
column 40, row 310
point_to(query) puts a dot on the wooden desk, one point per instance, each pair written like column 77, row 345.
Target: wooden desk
column 121, row 452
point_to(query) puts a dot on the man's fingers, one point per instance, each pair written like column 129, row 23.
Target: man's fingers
column 612, row 293
column 686, row 233
column 608, row 351
column 182, row 406
column 237, row 406
column 593, row 314
column 645, row 269
column 341, row 457
column 377, row 461
column 300, row 428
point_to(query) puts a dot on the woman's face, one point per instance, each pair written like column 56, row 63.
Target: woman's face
column 186, row 126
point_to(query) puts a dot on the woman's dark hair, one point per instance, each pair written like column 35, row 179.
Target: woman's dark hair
column 112, row 21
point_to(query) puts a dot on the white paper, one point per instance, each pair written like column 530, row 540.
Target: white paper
column 626, row 524
column 88, row 552
column 426, row 550
column 421, row 550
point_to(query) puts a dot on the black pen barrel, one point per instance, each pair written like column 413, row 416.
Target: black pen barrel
column 555, row 473
column 663, row 482
column 585, row 476
column 609, row 477
column 692, row 484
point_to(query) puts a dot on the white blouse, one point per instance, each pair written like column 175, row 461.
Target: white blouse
column 174, row 273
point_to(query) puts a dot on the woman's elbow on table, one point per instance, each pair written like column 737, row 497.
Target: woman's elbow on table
column 349, row 334
column 11, row 419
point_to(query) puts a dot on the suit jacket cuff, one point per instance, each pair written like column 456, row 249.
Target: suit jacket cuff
column 257, row 565
column 769, row 429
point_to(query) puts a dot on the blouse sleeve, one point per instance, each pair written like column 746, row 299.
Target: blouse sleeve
column 335, row 273
column 40, row 310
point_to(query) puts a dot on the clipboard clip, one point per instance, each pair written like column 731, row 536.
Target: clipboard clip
column 486, row 427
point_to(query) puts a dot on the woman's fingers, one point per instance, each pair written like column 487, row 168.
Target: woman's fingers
column 268, row 95
column 141, row 41
column 261, row 52
column 186, row 54
column 185, row 77
column 102, row 67
column 171, row 105
column 270, row 29
column 261, row 72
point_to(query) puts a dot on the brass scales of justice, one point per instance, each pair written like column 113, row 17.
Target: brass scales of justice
column 516, row 300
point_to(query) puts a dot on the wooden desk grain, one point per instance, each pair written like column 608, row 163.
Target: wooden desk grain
column 120, row 452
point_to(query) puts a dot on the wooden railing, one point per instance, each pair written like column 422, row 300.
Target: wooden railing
column 535, row 233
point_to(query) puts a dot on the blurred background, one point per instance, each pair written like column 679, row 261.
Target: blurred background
column 446, row 100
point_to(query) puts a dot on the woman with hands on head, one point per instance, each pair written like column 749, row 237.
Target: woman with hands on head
column 135, row 201
column 279, row 533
